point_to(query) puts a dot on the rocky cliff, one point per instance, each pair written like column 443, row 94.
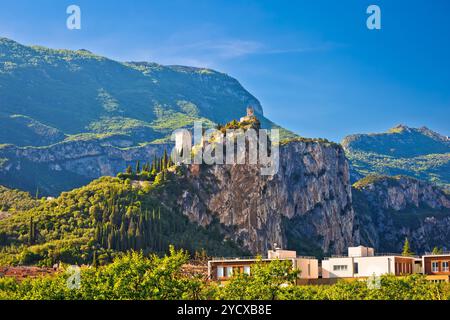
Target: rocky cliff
column 68, row 164
column 392, row 208
column 305, row 206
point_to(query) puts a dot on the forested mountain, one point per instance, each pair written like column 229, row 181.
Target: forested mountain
column 420, row 153
column 78, row 92
column 55, row 103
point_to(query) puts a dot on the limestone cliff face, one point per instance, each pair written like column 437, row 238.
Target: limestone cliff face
column 308, row 200
column 393, row 208
column 66, row 161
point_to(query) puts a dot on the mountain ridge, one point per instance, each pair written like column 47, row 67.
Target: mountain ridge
column 72, row 98
column 417, row 152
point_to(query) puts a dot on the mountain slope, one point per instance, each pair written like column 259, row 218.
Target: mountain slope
column 15, row 200
column 78, row 92
column 420, row 153
column 225, row 209
column 68, row 117
column 107, row 216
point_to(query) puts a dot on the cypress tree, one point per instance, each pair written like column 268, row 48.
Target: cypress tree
column 31, row 232
column 138, row 167
column 165, row 159
column 129, row 170
column 94, row 259
column 406, row 249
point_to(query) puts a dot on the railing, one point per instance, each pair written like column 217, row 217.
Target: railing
column 387, row 254
column 238, row 258
column 258, row 257
column 436, row 254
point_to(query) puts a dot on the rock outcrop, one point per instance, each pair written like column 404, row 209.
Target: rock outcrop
column 67, row 161
column 391, row 209
column 307, row 201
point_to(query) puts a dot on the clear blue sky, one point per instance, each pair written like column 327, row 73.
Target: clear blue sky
column 314, row 65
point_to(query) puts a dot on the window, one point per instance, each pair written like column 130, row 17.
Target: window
column 219, row 272
column 340, row 268
column 247, row 270
column 435, row 266
column 229, row 272
column 355, row 267
column 445, row 266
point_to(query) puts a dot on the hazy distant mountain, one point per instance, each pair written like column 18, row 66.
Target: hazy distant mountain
column 417, row 152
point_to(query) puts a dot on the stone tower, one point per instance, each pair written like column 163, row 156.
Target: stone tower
column 250, row 111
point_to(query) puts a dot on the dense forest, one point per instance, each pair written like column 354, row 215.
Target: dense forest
column 92, row 224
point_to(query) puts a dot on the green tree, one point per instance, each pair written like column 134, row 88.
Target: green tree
column 94, row 259
column 266, row 281
column 138, row 167
column 32, row 232
column 407, row 249
column 129, row 170
column 436, row 250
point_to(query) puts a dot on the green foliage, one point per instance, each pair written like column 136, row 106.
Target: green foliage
column 156, row 172
column 134, row 276
column 105, row 103
column 266, row 282
column 16, row 200
column 401, row 142
column 437, row 251
column 406, row 252
column 107, row 216
column 307, row 140
column 131, row 276
column 139, row 100
column 24, row 131
column 374, row 179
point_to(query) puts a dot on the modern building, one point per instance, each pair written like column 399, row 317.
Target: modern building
column 436, row 266
column 362, row 262
column 221, row 269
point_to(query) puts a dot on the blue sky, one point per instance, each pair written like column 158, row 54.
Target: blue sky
column 314, row 65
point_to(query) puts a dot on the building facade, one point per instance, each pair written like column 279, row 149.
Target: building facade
column 362, row 262
column 223, row 269
column 436, row 266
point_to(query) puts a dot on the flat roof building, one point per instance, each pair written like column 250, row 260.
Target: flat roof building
column 362, row 262
column 436, row 266
column 221, row 269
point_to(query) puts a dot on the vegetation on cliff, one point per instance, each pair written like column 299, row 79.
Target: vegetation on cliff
column 392, row 208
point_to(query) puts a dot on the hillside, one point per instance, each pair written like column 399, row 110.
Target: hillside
column 78, row 92
column 107, row 216
column 195, row 208
column 15, row 200
column 420, row 153
column 55, row 102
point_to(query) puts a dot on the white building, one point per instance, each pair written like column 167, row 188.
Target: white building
column 362, row 262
